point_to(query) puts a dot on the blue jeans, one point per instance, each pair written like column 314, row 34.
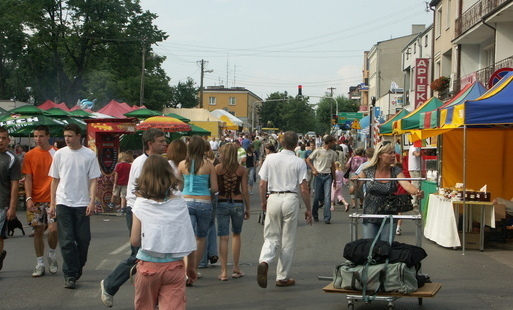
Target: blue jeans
column 227, row 211
column 211, row 242
column 201, row 214
column 322, row 187
column 121, row 274
column 74, row 236
column 370, row 230
column 251, row 176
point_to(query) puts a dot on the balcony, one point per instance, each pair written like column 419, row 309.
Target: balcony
column 475, row 13
column 482, row 75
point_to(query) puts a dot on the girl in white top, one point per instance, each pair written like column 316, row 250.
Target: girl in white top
column 162, row 228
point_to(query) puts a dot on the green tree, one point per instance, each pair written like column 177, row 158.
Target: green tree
column 12, row 42
column 89, row 49
column 326, row 108
column 285, row 112
column 185, row 94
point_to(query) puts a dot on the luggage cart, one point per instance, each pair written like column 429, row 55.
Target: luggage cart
column 427, row 291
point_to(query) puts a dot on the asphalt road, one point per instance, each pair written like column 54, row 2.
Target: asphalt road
column 477, row 280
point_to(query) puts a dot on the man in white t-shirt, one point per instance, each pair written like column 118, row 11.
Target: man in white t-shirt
column 414, row 168
column 74, row 170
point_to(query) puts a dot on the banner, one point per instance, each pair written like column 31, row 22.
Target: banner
column 421, row 80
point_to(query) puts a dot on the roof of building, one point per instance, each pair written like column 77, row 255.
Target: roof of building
column 194, row 114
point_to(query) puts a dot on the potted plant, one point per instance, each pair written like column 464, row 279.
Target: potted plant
column 440, row 84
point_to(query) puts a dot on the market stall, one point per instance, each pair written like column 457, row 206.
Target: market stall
column 103, row 138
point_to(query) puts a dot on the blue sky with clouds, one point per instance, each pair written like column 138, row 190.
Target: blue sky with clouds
column 275, row 45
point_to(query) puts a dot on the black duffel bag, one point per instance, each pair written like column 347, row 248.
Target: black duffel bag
column 358, row 251
column 409, row 254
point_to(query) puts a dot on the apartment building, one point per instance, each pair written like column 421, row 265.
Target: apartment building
column 472, row 40
column 384, row 65
column 239, row 101
column 416, row 65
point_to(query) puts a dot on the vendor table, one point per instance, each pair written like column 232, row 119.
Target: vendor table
column 443, row 215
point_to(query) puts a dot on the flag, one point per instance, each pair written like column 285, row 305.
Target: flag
column 393, row 87
column 375, row 132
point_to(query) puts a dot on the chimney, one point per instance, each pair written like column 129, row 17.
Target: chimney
column 417, row 28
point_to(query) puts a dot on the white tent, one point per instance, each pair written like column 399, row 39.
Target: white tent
column 219, row 112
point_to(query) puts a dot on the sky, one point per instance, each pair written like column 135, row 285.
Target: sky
column 272, row 46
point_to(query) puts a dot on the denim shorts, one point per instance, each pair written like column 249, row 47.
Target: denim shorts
column 3, row 223
column 201, row 214
column 227, row 211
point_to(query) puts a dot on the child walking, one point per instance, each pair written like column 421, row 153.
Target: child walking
column 160, row 211
column 337, row 187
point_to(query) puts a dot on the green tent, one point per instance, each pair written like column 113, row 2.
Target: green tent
column 66, row 117
column 387, row 127
column 27, row 110
column 23, row 125
column 142, row 113
column 81, row 113
column 183, row 119
column 195, row 130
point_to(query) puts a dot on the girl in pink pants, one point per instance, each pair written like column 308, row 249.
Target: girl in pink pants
column 336, row 191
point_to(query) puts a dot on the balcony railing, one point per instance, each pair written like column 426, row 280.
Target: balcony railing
column 482, row 75
column 475, row 13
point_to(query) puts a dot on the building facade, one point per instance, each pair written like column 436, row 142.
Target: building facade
column 416, row 60
column 384, row 69
column 239, row 101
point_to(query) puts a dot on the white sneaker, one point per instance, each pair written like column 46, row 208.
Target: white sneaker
column 52, row 262
column 398, row 231
column 107, row 299
column 39, row 271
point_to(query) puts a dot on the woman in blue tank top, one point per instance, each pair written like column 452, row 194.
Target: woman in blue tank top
column 199, row 184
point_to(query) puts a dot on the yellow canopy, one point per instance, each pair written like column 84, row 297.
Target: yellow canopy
column 228, row 123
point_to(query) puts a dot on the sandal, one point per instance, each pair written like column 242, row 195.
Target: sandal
column 237, row 275
column 222, row 278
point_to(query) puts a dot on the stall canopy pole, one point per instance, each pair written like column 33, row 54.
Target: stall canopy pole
column 464, row 226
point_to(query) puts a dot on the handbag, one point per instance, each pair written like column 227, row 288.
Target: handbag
column 398, row 202
column 346, row 174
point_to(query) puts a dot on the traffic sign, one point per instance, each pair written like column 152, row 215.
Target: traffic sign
column 355, row 124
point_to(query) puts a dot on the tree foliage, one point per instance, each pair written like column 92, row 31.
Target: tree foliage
column 327, row 107
column 285, row 112
column 184, row 95
column 66, row 50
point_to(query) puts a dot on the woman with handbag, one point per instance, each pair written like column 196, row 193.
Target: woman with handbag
column 379, row 193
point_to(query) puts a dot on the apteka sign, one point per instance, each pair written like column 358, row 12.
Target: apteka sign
column 421, row 80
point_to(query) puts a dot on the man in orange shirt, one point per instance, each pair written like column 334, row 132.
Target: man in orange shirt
column 36, row 165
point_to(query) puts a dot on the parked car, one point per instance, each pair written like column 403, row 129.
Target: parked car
column 311, row 134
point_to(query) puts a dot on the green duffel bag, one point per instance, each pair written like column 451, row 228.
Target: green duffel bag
column 397, row 278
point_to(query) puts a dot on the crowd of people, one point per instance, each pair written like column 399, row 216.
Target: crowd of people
column 199, row 193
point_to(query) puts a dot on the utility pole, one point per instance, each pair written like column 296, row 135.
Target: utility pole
column 331, row 89
column 143, row 69
column 203, row 71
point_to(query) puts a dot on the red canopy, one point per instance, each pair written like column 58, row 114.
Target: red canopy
column 48, row 104
column 62, row 106
column 116, row 109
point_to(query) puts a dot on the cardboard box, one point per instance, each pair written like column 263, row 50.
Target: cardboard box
column 500, row 212
column 472, row 240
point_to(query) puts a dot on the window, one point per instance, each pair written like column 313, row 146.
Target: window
column 448, row 15
column 212, row 100
column 414, row 48
column 438, row 22
column 232, row 101
column 426, row 41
